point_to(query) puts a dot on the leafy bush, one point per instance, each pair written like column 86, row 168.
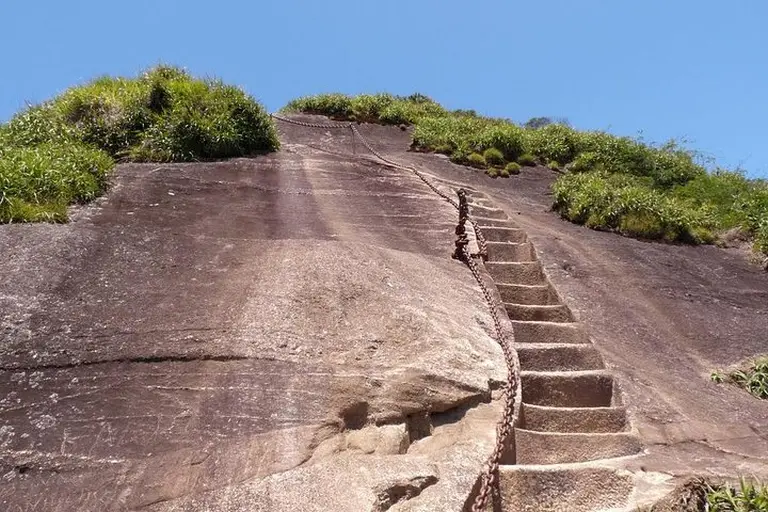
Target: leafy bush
column 512, row 168
column 477, row 160
column 504, row 173
column 526, row 159
column 493, row 156
column 60, row 152
column 492, row 173
column 554, row 164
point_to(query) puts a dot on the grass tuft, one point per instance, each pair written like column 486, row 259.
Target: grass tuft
column 526, row 159
column 512, row 168
column 493, row 156
column 477, row 160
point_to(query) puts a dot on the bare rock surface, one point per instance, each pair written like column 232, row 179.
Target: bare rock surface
column 259, row 334
column 663, row 316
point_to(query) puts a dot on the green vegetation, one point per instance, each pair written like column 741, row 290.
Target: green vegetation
column 611, row 183
column 699, row 495
column 527, row 160
column 61, row 152
column 493, row 156
column 753, row 378
column 477, row 160
column 748, row 497
column 512, row 168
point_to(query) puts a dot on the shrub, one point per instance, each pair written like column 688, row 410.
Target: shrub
column 554, row 164
column 477, row 160
column 504, row 173
column 526, row 159
column 59, row 152
column 493, row 156
column 553, row 142
column 493, row 173
column 512, row 168
column 585, row 162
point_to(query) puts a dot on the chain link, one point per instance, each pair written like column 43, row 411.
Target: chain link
column 505, row 427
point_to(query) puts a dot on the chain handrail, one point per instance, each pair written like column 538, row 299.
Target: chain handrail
column 505, row 427
column 328, row 126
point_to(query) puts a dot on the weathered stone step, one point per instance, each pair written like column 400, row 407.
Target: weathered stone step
column 574, row 419
column 508, row 251
column 500, row 231
column 558, row 448
column 540, row 294
column 570, row 487
column 549, row 332
column 560, row 357
column 516, row 273
column 537, row 313
column 592, row 388
column 487, row 211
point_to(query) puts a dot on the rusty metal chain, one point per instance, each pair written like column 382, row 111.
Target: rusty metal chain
column 505, row 427
column 478, row 233
column 328, row 126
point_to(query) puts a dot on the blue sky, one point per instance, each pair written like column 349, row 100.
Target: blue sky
column 695, row 70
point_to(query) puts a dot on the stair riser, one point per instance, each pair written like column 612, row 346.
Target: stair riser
column 504, row 251
column 602, row 421
column 557, row 490
column 550, row 313
column 533, row 295
column 526, row 332
column 520, row 273
column 573, row 358
column 568, row 391
column 549, row 448
column 489, row 213
column 501, row 231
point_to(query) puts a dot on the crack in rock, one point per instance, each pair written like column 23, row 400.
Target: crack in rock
column 402, row 491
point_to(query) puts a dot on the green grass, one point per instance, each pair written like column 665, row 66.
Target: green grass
column 512, row 168
column 477, row 160
column 622, row 184
column 749, row 496
column 526, row 159
column 753, row 377
column 493, row 156
column 699, row 495
column 61, row 152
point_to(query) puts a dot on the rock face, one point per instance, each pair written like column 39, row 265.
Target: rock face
column 275, row 333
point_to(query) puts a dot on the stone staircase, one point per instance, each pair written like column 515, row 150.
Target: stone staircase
column 571, row 420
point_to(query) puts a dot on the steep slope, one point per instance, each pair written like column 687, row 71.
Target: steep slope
column 218, row 333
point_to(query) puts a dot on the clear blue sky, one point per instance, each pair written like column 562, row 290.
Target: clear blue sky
column 667, row 68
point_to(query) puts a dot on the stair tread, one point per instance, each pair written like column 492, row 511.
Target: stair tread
column 617, row 408
column 550, row 346
column 567, row 373
column 574, row 435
